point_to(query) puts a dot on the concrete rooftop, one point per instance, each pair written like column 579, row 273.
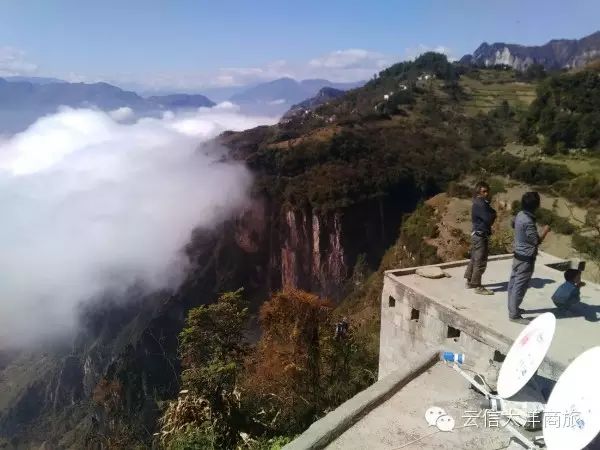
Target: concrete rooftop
column 420, row 315
column 401, row 419
column 573, row 335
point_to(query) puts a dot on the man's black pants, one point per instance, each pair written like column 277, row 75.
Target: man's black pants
column 479, row 257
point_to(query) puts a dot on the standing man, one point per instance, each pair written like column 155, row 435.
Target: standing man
column 527, row 241
column 482, row 218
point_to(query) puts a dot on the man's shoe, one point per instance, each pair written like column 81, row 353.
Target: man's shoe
column 519, row 320
column 483, row 291
column 469, row 285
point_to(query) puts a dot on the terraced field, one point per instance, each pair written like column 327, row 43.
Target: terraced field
column 490, row 89
column 579, row 162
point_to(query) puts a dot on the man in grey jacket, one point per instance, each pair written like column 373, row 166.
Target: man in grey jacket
column 526, row 245
column 483, row 217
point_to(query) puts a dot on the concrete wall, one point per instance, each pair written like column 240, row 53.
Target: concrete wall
column 417, row 324
column 413, row 324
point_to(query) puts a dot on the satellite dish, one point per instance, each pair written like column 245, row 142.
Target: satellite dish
column 433, row 414
column 526, row 355
column 575, row 405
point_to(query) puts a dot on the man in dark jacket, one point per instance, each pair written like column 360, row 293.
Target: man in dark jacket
column 527, row 241
column 482, row 218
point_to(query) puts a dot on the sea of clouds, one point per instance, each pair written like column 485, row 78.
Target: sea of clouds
column 93, row 202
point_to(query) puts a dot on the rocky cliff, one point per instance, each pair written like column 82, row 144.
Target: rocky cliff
column 556, row 54
column 132, row 342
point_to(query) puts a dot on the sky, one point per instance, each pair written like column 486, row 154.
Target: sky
column 195, row 44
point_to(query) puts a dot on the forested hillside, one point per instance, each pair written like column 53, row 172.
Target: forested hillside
column 566, row 112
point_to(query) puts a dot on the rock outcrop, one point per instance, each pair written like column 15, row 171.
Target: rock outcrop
column 556, row 54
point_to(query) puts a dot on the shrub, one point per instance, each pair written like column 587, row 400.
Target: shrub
column 188, row 435
column 566, row 111
column 486, row 132
column 299, row 370
column 581, row 190
column 587, row 244
column 497, row 186
column 212, row 350
column 500, row 242
column 539, row 173
column 500, row 163
column 459, row 190
column 275, row 443
column 418, row 226
column 557, row 223
column 545, row 216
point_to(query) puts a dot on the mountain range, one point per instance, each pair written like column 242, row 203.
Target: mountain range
column 25, row 99
column 277, row 96
column 556, row 54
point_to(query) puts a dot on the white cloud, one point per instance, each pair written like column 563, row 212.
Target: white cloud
column 92, row 205
column 13, row 62
column 121, row 114
column 350, row 59
column 226, row 106
column 413, row 52
column 344, row 65
column 341, row 65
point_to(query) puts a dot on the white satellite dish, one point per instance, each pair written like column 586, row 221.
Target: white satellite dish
column 572, row 415
column 526, row 355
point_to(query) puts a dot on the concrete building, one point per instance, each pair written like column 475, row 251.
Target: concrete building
column 419, row 313
column 421, row 316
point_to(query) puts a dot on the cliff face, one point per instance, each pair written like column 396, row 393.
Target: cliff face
column 556, row 54
column 133, row 341
column 312, row 254
column 319, row 249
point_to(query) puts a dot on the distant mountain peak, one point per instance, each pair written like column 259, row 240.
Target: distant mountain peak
column 277, row 96
column 182, row 101
column 555, row 54
column 33, row 80
column 324, row 95
column 24, row 100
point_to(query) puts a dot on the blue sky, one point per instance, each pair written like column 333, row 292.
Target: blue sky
column 219, row 43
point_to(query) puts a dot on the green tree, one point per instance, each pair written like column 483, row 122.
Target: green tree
column 212, row 351
column 566, row 110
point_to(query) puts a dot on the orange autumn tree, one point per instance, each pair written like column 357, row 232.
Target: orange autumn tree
column 286, row 374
